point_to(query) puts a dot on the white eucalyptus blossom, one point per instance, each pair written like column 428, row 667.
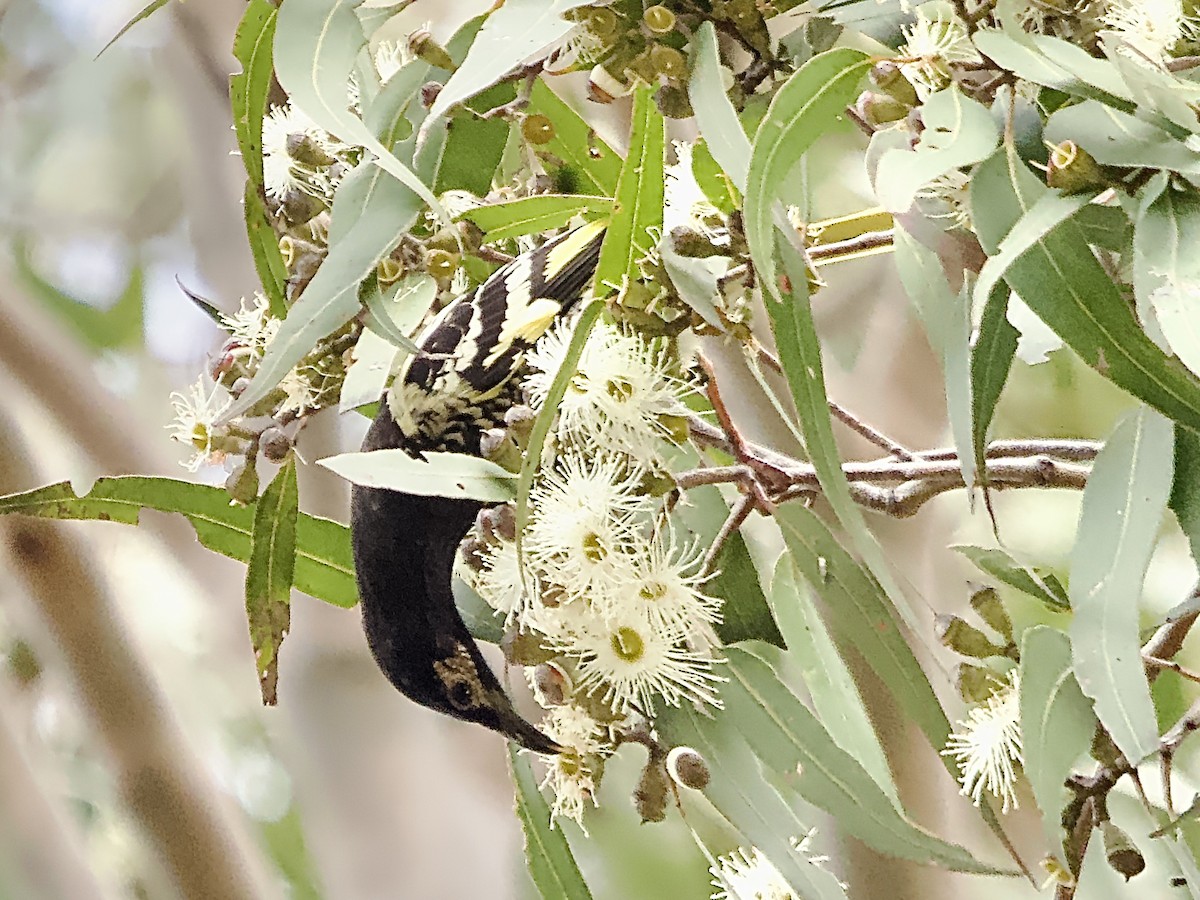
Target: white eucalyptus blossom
column 621, row 394
column 987, row 745
column 282, row 172
column 935, row 40
column 950, row 194
column 582, row 521
column 501, row 582
column 196, row 412
column 629, row 662
column 1151, row 28
column 662, row 581
column 685, row 203
column 579, row 48
column 571, row 774
column 390, row 57
column 749, row 875
column 252, row 326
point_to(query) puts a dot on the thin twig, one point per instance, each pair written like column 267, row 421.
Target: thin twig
column 870, row 240
column 738, row 515
column 1170, row 665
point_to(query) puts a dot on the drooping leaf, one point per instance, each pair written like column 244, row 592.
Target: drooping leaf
column 992, row 354
column 808, row 104
column 1123, row 504
column 438, row 475
column 859, row 618
column 715, row 115
column 514, row 31
column 324, row 565
column 792, row 743
column 368, row 373
column 1057, row 724
column 946, row 317
column 1062, row 281
column 638, row 201
column 582, row 161
column 1185, row 491
column 264, row 247
column 146, row 12
column 835, row 697
column 533, row 215
column 751, row 804
column 269, row 574
column 552, row 866
column 800, row 355
column 1007, row 570
column 958, row 132
column 248, row 88
column 1166, row 275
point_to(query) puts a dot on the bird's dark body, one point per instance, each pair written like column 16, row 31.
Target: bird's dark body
column 405, row 544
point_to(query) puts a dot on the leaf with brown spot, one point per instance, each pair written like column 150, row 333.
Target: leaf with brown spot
column 269, row 574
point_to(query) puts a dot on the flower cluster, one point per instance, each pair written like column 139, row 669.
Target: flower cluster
column 604, row 597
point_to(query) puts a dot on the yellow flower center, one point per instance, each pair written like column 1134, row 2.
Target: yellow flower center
column 628, row 644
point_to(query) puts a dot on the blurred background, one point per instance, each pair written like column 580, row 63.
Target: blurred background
column 132, row 737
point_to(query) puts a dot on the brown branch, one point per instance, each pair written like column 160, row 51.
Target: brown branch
column 182, row 815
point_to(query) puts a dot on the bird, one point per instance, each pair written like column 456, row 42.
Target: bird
column 458, row 384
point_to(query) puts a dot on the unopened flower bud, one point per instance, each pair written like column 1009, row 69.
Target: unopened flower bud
column 429, row 93
column 964, row 638
column 220, row 365
column 889, row 78
column 242, row 483
column 422, row 45
column 989, row 607
column 306, row 150
column 688, row 768
column 659, row 19
column 552, row 683
column 673, row 101
column 879, row 109
column 298, row 207
column 1120, row 851
column 490, row 441
column 691, row 243
column 975, row 683
column 524, row 648
column 239, row 386
column 650, row 795
column 275, row 444
column 1071, row 169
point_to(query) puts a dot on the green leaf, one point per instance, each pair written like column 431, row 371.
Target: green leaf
column 808, row 104
column 1057, row 724
column 269, row 574
column 1123, row 505
column 638, row 201
column 992, row 354
column 800, row 354
column 1060, row 279
column 552, row 868
column 514, row 31
column 545, row 419
column 1116, row 138
column 958, row 132
column 248, row 89
column 438, row 475
column 581, row 160
column 946, row 317
column 755, row 807
column 835, row 697
column 316, row 44
column 146, row 12
column 395, row 311
column 1167, row 268
column 860, row 619
column 368, row 374
column 715, row 116
column 324, row 563
column 474, row 144
column 1185, row 491
column 1050, row 211
column 264, row 246
column 696, row 282
column 1007, row 570
column 791, row 742
column 533, row 215
column 1055, row 63
column 378, row 210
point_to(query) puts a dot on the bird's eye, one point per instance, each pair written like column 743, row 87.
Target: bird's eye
column 461, row 695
